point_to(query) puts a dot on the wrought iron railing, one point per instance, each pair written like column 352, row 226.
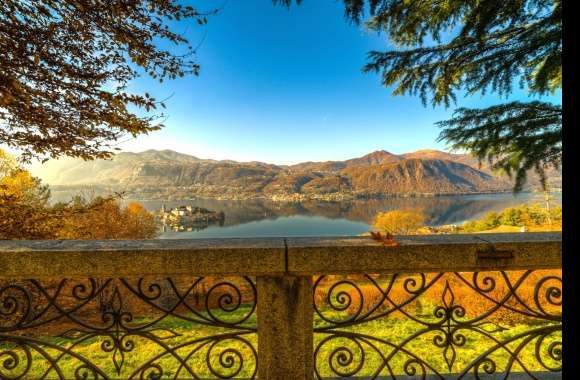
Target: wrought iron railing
column 432, row 307
column 438, row 324
column 129, row 329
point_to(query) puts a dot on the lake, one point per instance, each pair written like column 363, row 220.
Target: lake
column 262, row 218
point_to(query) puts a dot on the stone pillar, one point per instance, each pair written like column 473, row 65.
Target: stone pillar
column 285, row 322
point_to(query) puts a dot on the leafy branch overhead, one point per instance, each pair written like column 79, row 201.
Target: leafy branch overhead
column 65, row 66
column 477, row 46
column 515, row 137
column 444, row 47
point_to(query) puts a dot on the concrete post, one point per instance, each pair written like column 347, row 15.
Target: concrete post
column 285, row 322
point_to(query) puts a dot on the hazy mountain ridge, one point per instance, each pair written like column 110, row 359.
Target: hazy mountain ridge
column 158, row 174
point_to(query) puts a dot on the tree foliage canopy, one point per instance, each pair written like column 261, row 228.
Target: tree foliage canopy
column 104, row 218
column 524, row 215
column 518, row 136
column 448, row 46
column 399, row 222
column 65, row 66
column 444, row 47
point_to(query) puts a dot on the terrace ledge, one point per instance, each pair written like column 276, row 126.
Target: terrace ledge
column 279, row 256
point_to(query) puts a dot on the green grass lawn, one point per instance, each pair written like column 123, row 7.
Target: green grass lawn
column 191, row 343
column 173, row 344
column 389, row 334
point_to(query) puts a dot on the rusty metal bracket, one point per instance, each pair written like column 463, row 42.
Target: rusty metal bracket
column 492, row 256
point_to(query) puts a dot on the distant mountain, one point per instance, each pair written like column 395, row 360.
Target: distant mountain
column 168, row 174
column 375, row 158
column 440, row 155
column 422, row 176
column 71, row 172
column 554, row 176
column 380, row 157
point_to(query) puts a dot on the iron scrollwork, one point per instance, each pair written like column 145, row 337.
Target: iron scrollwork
column 438, row 325
column 122, row 328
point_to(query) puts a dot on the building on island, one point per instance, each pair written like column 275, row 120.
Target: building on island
column 189, row 217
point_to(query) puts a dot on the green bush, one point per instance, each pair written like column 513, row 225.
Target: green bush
column 518, row 216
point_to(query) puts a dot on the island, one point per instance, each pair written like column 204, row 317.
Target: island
column 188, row 218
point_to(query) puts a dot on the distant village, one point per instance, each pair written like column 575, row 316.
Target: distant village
column 189, row 218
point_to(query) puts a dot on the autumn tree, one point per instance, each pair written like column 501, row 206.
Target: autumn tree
column 23, row 202
column 399, row 222
column 138, row 222
column 106, row 219
column 445, row 48
column 65, row 66
column 25, row 212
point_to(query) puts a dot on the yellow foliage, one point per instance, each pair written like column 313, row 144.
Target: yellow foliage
column 138, row 221
column 401, row 222
column 20, row 186
column 23, row 201
column 104, row 218
column 26, row 214
column 8, row 164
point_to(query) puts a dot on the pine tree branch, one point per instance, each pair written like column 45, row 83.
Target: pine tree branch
column 514, row 137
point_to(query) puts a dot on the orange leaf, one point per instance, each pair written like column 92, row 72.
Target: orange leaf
column 388, row 240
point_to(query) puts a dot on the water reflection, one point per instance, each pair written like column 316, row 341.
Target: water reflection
column 343, row 218
column 267, row 218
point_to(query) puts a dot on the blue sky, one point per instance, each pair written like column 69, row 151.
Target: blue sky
column 285, row 86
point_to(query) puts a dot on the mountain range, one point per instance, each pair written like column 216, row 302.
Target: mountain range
column 167, row 174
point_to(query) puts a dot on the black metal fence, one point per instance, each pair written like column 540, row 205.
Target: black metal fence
column 463, row 324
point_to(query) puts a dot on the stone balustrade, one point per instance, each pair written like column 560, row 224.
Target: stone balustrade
column 276, row 308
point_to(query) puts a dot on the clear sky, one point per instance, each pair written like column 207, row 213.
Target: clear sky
column 285, row 86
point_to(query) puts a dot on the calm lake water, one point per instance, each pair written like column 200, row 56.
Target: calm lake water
column 259, row 218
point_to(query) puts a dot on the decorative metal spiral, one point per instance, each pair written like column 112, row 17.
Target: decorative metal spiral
column 488, row 305
column 122, row 317
column 15, row 361
column 345, row 356
column 414, row 367
column 230, row 362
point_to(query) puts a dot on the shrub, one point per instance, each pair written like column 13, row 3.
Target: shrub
column 519, row 216
column 402, row 222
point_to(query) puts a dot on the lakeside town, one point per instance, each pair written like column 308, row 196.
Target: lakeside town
column 218, row 193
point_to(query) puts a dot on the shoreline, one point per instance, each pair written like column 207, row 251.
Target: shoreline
column 283, row 198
